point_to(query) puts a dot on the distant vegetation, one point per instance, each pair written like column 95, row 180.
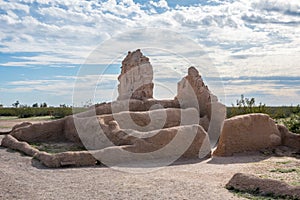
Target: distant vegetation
column 37, row 110
column 55, row 112
column 287, row 115
column 246, row 106
column 293, row 123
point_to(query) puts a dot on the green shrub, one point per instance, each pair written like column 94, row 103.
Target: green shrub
column 25, row 112
column 296, row 110
column 293, row 123
column 288, row 115
column 8, row 112
column 61, row 112
column 246, row 106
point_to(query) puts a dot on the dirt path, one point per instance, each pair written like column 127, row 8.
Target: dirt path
column 6, row 123
column 19, row 179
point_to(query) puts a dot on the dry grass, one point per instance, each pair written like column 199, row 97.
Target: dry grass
column 285, row 169
column 57, row 147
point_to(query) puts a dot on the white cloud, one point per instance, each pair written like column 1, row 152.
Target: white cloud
column 265, row 91
column 64, row 85
column 160, row 4
column 14, row 6
column 243, row 38
column 74, row 30
column 291, row 6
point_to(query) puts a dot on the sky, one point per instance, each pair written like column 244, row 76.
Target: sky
column 50, row 50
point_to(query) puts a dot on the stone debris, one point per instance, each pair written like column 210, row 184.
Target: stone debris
column 265, row 187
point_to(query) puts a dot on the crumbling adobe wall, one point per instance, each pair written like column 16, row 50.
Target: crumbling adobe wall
column 192, row 92
column 253, row 132
column 155, row 123
column 136, row 77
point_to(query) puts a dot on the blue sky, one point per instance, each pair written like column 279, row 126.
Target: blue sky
column 253, row 46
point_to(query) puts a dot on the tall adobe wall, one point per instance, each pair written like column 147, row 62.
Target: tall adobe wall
column 192, row 92
column 136, row 77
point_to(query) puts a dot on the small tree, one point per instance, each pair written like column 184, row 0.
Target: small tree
column 43, row 105
column 16, row 104
column 245, row 106
column 88, row 103
column 35, row 105
column 296, row 110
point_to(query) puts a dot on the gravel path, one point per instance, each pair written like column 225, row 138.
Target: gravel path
column 23, row 178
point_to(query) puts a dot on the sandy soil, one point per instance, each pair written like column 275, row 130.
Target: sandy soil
column 21, row 177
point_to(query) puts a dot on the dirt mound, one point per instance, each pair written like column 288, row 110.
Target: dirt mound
column 265, row 187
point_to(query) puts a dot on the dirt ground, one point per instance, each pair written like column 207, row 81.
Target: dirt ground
column 21, row 177
column 6, row 123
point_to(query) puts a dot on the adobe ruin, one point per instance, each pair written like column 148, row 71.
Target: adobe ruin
column 138, row 127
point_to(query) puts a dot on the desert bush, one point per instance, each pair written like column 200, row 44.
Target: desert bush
column 246, row 106
column 287, row 115
column 61, row 112
column 296, row 110
column 8, row 112
column 25, row 112
column 280, row 112
column 293, row 123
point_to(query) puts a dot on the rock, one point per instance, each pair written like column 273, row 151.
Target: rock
column 266, row 187
column 5, row 132
column 23, row 124
column 249, row 132
column 14, row 128
column 284, row 151
column 192, row 92
column 71, row 158
column 40, row 132
column 289, row 139
column 12, row 143
column 136, row 77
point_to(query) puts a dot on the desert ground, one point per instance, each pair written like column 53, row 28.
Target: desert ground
column 21, row 177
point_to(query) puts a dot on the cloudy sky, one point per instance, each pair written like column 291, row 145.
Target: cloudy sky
column 47, row 46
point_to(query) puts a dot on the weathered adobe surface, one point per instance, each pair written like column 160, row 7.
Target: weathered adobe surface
column 153, row 145
column 136, row 77
column 239, row 134
column 192, row 92
column 136, row 142
column 253, row 132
